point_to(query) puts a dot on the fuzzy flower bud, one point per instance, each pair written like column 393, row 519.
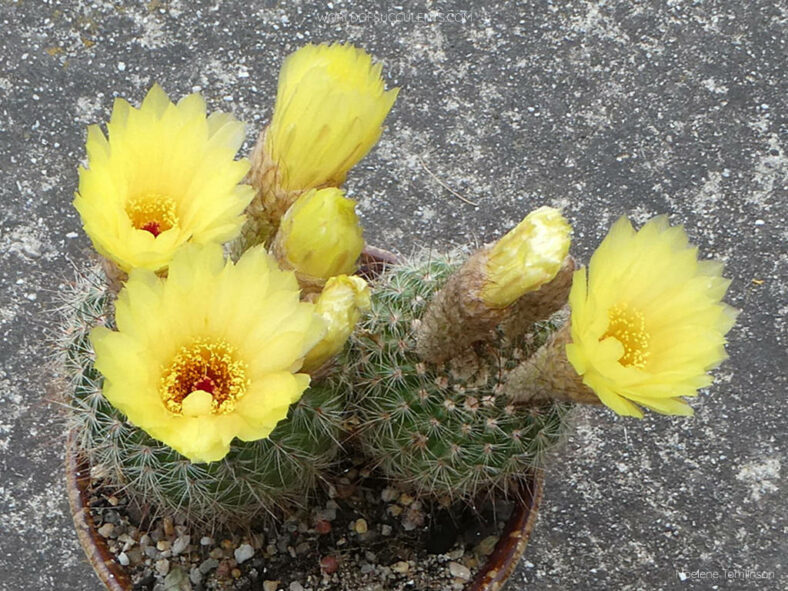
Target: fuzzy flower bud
column 340, row 305
column 526, row 258
column 330, row 106
column 320, row 236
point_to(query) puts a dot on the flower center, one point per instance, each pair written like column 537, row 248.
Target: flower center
column 208, row 368
column 628, row 327
column 153, row 213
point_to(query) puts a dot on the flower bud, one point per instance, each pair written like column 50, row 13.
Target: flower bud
column 340, row 305
column 526, row 258
column 320, row 236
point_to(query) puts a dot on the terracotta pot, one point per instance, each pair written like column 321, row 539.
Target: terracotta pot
column 491, row 577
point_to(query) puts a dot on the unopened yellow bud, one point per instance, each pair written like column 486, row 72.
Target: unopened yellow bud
column 320, row 235
column 526, row 258
column 340, row 305
column 330, row 106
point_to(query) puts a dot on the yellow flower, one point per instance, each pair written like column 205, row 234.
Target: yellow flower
column 649, row 323
column 526, row 258
column 320, row 235
column 340, row 304
column 209, row 353
column 165, row 176
column 330, row 106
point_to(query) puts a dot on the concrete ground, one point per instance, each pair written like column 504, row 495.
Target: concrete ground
column 602, row 107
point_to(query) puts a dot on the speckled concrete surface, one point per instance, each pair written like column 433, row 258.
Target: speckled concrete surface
column 601, row 107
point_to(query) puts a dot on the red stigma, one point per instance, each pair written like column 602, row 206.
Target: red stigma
column 153, row 228
column 205, row 384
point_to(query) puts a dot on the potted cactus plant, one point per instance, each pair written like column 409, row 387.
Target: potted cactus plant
column 294, row 373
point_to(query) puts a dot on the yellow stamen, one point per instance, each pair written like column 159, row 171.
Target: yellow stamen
column 628, row 327
column 208, row 367
column 152, row 212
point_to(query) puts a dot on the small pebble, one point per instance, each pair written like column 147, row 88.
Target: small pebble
column 296, row 586
column 405, row 499
column 216, row 553
column 459, row 571
column 487, row 545
column 413, row 519
column 195, row 576
column 135, row 555
column 329, row 564
column 323, row 526
column 208, row 565
column 236, row 573
column 206, row 541
column 177, row 580
column 388, row 494
column 400, row 567
column 385, row 529
column 123, row 558
column 243, row 553
column 327, row 514
column 361, row 526
column 163, row 545
column 106, row 530
column 270, row 585
column 180, row 544
column 163, row 566
column 222, row 570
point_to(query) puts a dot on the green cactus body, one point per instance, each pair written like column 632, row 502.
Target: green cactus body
column 255, row 478
column 442, row 429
